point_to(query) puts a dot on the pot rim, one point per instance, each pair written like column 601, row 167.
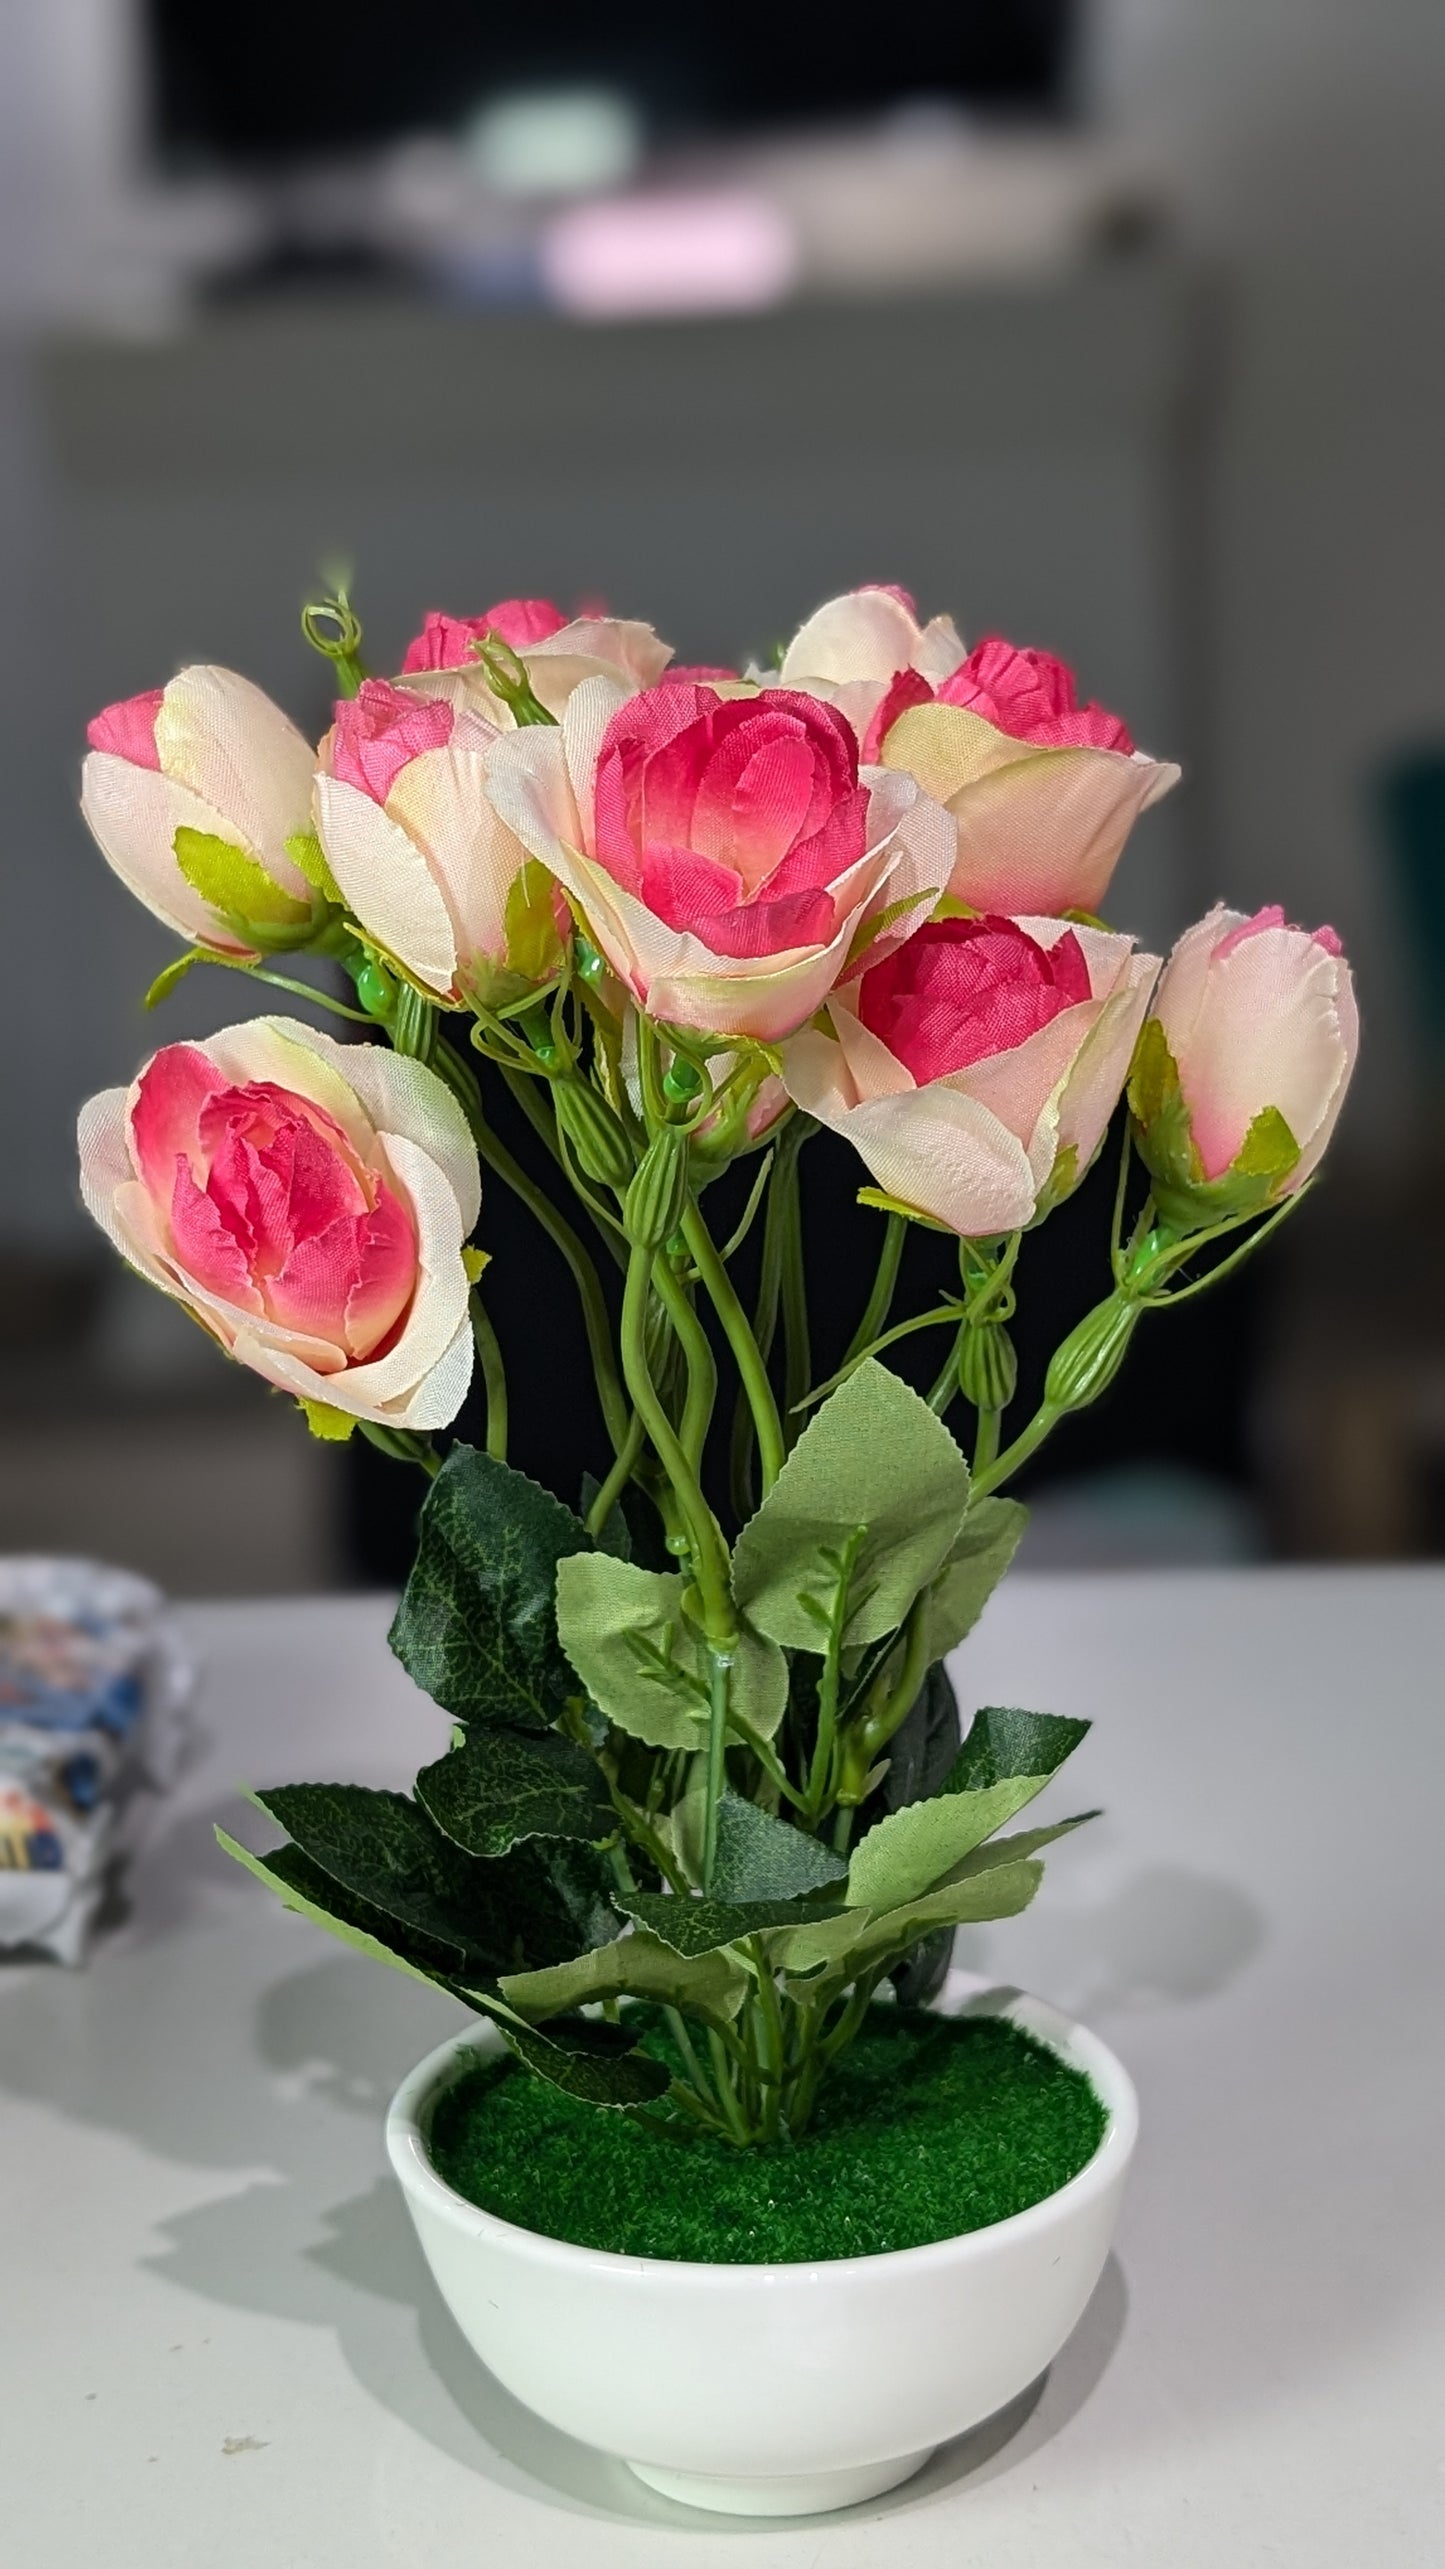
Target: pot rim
column 409, row 2114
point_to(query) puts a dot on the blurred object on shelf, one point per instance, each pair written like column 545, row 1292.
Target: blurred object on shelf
column 555, row 142
column 1141, row 1516
column 121, row 1431
column 95, row 1685
column 658, row 254
column 1411, row 802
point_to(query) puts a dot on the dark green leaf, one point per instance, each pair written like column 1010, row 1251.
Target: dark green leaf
column 475, row 1915
column 924, row 1746
column 477, row 1624
column 702, row 1926
column 500, row 1785
column 1003, row 1742
column 597, row 2063
column 760, row 1858
column 302, row 1886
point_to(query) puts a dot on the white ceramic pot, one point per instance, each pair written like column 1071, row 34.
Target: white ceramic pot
column 774, row 2390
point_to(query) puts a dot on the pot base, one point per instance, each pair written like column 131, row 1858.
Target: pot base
column 791, row 2493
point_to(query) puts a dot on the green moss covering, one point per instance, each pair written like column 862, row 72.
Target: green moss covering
column 927, row 2127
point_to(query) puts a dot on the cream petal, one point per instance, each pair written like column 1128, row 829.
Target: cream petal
column 1185, row 977
column 590, row 709
column 932, row 1147
column 387, row 882
column 441, row 801
column 1046, row 832
column 226, row 741
column 1096, row 1081
column 1268, row 1033
column 133, row 814
column 872, row 1069
column 865, row 634
column 1021, row 1085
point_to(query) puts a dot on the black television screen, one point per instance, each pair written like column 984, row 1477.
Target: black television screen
column 281, row 79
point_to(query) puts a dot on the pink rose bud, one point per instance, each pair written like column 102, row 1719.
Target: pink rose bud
column 442, row 660
column 721, row 845
column 425, row 864
column 308, row 1202
column 1042, row 791
column 195, row 794
column 1243, row 1065
column 975, row 1069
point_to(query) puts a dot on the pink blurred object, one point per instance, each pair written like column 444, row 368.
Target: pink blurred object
column 725, row 252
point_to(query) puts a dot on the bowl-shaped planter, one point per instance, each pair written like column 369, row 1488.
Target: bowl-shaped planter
column 784, row 2389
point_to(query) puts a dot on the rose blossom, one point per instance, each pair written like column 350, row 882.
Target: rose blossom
column 210, row 754
column 975, row 1069
column 425, row 863
column 723, row 848
column 308, row 1201
column 557, row 654
column 1043, row 791
column 855, row 648
column 1244, row 1063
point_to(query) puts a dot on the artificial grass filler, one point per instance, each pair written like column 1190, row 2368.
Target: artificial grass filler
column 929, row 2126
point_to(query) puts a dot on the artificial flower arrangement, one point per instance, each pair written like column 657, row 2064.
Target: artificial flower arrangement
column 705, row 1756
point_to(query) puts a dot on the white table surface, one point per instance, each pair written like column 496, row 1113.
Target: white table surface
column 221, row 2350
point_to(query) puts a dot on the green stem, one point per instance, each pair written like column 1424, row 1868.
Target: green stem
column 747, row 1355
column 1045, row 1419
column 946, row 1311
column 985, row 1442
column 494, row 1376
column 726, row 2091
column 797, row 1354
column 719, row 1670
column 944, row 1391
column 821, row 1766
column 617, row 1479
column 402, row 1445
column 880, row 1300
column 698, row 1357
column 704, row 1535
column 770, row 2044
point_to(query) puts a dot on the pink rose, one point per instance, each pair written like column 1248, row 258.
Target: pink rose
column 1043, row 791
column 723, row 848
column 557, row 655
column 211, row 758
column 308, row 1201
column 975, row 1069
column 1243, row 1065
column 857, row 647
column 425, row 864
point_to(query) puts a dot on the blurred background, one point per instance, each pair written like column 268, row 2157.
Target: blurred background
column 1109, row 324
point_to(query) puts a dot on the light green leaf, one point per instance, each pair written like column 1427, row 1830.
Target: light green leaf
column 1019, row 1844
column 309, row 858
column 760, row 1858
column 1007, row 1759
column 873, row 1467
column 644, row 1662
column 701, row 1926
column 477, row 1623
column 636, row 1966
column 987, row 1542
column 332, row 1426
column 500, row 1786
column 840, row 1950
column 599, row 2064
column 233, row 882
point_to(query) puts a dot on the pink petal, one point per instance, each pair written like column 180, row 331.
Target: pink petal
column 206, row 1247
column 165, row 1116
column 128, row 729
column 1031, row 696
column 381, row 730
column 906, row 688
column 965, row 990
column 770, row 927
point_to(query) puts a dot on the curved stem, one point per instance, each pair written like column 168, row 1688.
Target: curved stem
column 1045, row 1419
column 494, row 1376
column 879, row 1303
column 709, row 1552
column 402, row 1445
column 617, row 1479
column 698, row 1357
column 944, row 1391
column 946, row 1311
column 747, row 1355
column 797, row 1353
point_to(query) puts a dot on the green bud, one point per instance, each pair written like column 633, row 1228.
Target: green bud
column 988, row 1368
column 1091, row 1355
column 376, row 989
column 657, row 1198
column 599, row 1143
column 681, row 1081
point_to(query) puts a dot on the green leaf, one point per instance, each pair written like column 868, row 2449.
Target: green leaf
column 302, row 1886
column 1019, row 1844
column 636, row 1966
column 701, row 1926
column 465, row 1914
column 875, row 1467
column 477, row 1623
column 987, row 1542
column 644, row 1663
column 1007, row 1758
column 499, row 1786
column 760, row 1858
column 1003, row 1742
column 331, row 1426
column 309, row 858
column 840, row 1950
column 599, row 2064
column 234, row 883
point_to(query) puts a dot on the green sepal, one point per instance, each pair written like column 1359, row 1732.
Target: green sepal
column 534, row 948
column 166, row 981
column 477, row 1623
column 874, row 1474
column 878, row 1201
column 702, row 1926
column 330, row 1426
column 233, row 883
column 500, row 1787
column 1186, row 1199
column 309, row 858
